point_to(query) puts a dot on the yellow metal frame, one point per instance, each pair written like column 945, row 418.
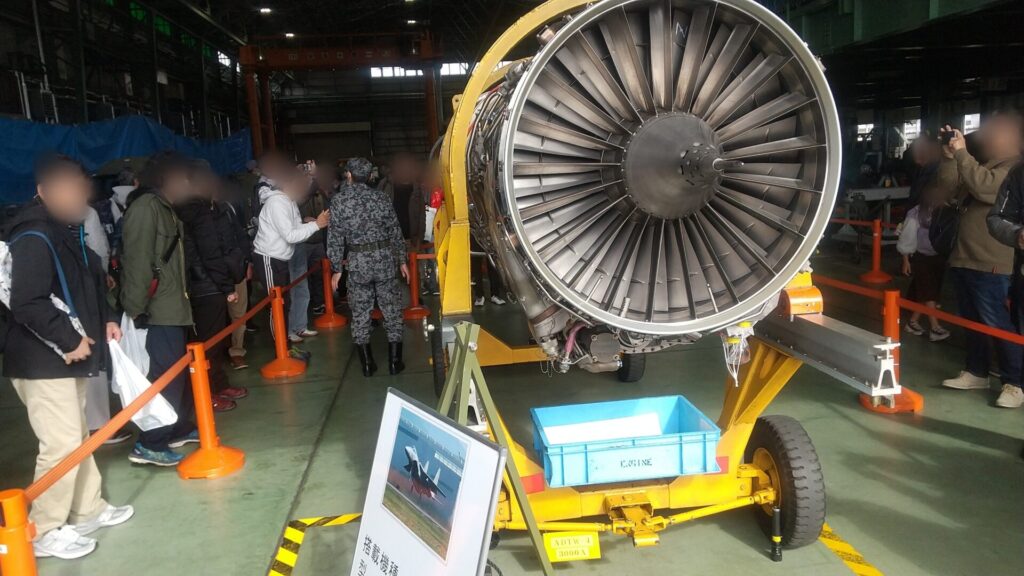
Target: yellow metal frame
column 632, row 508
column 452, row 222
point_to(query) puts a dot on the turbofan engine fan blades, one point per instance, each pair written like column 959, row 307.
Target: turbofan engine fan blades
column 667, row 166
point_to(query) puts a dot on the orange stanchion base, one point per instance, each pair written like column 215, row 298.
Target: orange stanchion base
column 906, row 401
column 416, row 313
column 214, row 462
column 875, row 277
column 283, row 368
column 330, row 321
column 16, row 534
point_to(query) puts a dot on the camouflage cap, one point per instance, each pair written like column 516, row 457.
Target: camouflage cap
column 360, row 168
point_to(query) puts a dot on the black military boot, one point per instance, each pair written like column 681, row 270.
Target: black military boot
column 395, row 364
column 366, row 359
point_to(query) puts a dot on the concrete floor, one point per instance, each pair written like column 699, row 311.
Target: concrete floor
column 937, row 493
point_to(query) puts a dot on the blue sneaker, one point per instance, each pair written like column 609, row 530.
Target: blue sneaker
column 142, row 455
column 192, row 438
column 300, row 354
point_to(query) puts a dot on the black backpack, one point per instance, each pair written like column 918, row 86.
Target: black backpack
column 945, row 225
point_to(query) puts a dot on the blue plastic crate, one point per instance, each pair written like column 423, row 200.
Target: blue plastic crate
column 624, row 440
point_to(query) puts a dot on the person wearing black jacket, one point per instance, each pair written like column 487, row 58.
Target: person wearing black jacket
column 1006, row 224
column 52, row 385
column 212, row 274
column 231, row 225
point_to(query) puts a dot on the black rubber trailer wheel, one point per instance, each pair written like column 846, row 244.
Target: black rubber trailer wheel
column 780, row 446
column 632, row 369
column 439, row 360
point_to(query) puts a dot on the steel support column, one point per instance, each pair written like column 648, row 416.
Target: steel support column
column 430, row 92
column 268, row 110
column 80, row 73
column 157, row 113
column 204, row 102
column 253, row 101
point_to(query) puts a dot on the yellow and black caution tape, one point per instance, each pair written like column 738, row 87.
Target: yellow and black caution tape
column 854, row 560
column 288, row 551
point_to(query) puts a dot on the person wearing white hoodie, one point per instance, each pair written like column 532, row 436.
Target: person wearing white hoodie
column 280, row 225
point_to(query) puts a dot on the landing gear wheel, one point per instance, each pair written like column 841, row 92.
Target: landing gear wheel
column 779, row 445
column 632, row 369
column 439, row 360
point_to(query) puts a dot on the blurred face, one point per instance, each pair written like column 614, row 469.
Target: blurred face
column 404, row 170
column 324, row 177
column 205, row 186
column 924, row 152
column 296, row 187
column 66, row 196
column 1000, row 137
column 177, row 186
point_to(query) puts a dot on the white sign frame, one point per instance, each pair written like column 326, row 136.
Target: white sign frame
column 432, row 496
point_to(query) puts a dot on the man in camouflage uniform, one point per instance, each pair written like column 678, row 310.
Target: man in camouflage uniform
column 364, row 224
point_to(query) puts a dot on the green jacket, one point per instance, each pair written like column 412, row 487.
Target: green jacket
column 150, row 230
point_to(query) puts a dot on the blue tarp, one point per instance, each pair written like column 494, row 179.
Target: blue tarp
column 97, row 143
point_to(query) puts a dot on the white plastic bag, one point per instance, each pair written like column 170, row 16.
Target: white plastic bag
column 129, row 383
column 133, row 342
column 428, row 231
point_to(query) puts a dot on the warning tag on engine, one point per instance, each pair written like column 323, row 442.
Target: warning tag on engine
column 569, row 546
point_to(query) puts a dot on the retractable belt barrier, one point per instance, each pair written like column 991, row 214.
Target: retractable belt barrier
column 875, row 275
column 892, row 306
column 210, row 460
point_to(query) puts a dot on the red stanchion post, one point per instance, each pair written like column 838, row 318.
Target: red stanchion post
column 329, row 320
column 907, row 400
column 211, row 460
column 415, row 311
column 283, row 365
column 16, row 534
column 876, row 275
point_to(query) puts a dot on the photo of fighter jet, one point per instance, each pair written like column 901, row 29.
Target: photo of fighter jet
column 422, row 483
column 424, row 478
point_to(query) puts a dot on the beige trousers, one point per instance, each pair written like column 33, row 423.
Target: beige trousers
column 236, row 310
column 56, row 411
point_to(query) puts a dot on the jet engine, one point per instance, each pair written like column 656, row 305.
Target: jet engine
column 658, row 170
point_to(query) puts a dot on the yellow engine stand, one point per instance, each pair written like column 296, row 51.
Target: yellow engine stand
column 639, row 510
column 632, row 507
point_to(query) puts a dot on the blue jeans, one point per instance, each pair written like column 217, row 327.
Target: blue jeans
column 981, row 297
column 298, row 311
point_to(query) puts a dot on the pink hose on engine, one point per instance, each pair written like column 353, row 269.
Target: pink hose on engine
column 570, row 341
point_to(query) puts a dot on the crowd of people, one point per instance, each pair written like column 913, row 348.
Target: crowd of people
column 967, row 221
column 172, row 253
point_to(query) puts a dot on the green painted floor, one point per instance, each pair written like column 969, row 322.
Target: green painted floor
column 937, row 493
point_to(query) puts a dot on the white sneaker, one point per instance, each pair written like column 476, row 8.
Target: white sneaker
column 498, row 300
column 112, row 516
column 307, row 333
column 478, row 302
column 966, row 381
column 1011, row 397
column 295, row 338
column 63, row 543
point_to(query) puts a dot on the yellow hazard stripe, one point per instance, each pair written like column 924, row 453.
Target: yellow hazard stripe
column 294, row 533
column 854, row 560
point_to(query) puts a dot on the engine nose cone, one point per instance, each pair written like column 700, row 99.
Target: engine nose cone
column 669, row 165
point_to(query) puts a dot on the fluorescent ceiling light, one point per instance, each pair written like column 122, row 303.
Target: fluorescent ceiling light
column 289, row 35
column 266, row 10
